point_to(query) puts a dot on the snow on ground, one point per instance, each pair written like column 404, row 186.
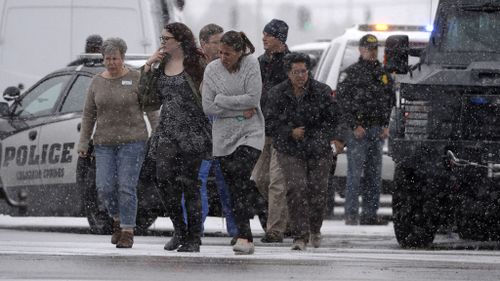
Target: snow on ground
column 214, row 225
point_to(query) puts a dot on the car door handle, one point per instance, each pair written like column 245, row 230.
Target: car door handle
column 32, row 135
column 79, row 127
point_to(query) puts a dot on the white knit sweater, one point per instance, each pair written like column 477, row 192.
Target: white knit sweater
column 226, row 96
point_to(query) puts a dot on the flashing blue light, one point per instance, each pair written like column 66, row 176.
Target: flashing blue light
column 429, row 27
column 479, row 101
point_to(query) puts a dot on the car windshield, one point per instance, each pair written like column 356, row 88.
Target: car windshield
column 473, row 28
column 351, row 54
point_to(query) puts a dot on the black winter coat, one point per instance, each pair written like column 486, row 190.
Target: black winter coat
column 316, row 111
column 366, row 95
column 272, row 72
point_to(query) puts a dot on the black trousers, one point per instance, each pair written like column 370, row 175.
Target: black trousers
column 237, row 169
column 177, row 173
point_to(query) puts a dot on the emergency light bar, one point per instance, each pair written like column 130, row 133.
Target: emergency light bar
column 392, row 27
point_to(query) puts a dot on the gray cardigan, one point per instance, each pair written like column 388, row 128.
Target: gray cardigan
column 225, row 97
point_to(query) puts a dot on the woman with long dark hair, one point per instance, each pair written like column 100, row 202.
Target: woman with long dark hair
column 232, row 87
column 182, row 139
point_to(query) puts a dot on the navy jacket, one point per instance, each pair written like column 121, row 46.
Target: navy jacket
column 366, row 95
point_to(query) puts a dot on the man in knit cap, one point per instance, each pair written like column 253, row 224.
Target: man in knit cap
column 267, row 174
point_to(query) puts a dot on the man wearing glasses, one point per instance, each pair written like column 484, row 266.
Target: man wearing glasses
column 366, row 96
column 303, row 120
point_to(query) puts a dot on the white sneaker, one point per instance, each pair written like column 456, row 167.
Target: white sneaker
column 243, row 247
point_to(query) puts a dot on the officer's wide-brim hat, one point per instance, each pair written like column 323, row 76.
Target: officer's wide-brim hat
column 368, row 41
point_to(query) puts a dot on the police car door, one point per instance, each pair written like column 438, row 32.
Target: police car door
column 21, row 154
column 60, row 138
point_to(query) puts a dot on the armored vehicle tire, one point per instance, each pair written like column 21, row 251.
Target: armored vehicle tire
column 413, row 214
column 479, row 215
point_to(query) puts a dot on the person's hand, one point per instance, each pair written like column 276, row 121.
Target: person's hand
column 249, row 113
column 298, row 133
column 157, row 56
column 385, row 133
column 82, row 153
column 359, row 132
column 339, row 146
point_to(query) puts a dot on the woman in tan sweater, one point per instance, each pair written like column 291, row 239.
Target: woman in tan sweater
column 120, row 136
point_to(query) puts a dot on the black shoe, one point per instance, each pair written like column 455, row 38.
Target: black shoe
column 271, row 238
column 173, row 244
column 190, row 247
column 372, row 221
column 233, row 240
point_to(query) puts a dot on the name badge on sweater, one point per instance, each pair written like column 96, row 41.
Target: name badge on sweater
column 126, row 82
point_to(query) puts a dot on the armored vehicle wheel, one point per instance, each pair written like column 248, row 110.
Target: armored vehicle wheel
column 479, row 215
column 413, row 214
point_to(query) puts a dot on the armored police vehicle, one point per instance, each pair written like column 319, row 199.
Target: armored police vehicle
column 448, row 109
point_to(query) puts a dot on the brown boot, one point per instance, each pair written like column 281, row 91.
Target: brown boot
column 126, row 240
column 116, row 232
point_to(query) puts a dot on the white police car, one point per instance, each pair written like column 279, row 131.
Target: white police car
column 41, row 173
column 343, row 52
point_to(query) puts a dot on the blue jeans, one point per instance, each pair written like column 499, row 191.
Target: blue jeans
column 224, row 195
column 364, row 158
column 117, row 173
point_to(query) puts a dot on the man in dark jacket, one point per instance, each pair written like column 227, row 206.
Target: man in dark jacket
column 366, row 95
column 267, row 174
column 303, row 119
column 93, row 45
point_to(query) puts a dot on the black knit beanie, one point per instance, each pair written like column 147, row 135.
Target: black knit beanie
column 278, row 29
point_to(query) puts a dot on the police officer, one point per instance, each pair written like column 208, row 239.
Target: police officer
column 366, row 96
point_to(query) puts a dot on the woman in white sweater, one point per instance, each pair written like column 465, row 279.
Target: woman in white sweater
column 232, row 88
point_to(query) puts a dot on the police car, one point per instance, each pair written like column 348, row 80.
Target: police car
column 343, row 52
column 41, row 173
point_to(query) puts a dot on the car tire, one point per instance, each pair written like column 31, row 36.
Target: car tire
column 414, row 213
column 145, row 218
column 97, row 216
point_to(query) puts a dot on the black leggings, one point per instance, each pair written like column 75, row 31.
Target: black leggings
column 237, row 169
column 177, row 173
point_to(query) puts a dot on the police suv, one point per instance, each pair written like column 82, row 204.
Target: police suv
column 343, row 52
column 40, row 171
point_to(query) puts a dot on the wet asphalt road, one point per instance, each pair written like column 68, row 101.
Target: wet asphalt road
column 69, row 253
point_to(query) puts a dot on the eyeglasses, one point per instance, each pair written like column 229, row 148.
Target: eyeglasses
column 164, row 39
column 299, row 72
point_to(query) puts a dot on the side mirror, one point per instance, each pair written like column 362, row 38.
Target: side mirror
column 4, row 109
column 11, row 93
column 396, row 54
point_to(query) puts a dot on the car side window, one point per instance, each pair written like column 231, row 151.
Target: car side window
column 76, row 97
column 42, row 99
